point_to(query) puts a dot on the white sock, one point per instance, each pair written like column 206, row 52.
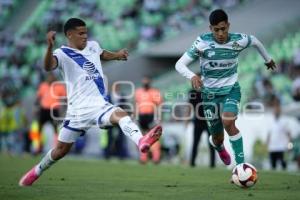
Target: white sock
column 219, row 147
column 235, row 137
column 45, row 163
column 130, row 129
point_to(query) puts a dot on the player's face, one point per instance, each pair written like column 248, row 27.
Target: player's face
column 78, row 37
column 220, row 31
column 146, row 82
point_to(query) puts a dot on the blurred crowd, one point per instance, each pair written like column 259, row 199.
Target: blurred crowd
column 283, row 83
column 132, row 24
column 6, row 8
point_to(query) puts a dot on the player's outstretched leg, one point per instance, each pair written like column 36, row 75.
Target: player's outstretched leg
column 131, row 130
column 237, row 146
column 49, row 159
column 235, row 138
column 224, row 155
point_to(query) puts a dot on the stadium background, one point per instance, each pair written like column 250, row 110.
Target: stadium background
column 157, row 33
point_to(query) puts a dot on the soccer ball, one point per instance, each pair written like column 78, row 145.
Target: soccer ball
column 244, row 175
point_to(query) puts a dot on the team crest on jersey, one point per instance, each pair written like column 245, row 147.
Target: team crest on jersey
column 92, row 50
column 212, row 45
column 235, row 45
column 211, row 54
column 89, row 67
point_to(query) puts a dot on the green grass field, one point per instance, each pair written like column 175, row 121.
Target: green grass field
column 81, row 180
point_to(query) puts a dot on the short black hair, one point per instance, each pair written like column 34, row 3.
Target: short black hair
column 217, row 16
column 72, row 23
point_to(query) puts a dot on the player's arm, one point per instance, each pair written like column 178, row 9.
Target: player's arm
column 182, row 67
column 188, row 57
column 269, row 62
column 119, row 55
column 50, row 62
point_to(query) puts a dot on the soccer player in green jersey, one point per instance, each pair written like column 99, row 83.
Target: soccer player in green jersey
column 218, row 52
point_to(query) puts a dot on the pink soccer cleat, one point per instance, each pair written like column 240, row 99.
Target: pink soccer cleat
column 225, row 157
column 29, row 178
column 150, row 138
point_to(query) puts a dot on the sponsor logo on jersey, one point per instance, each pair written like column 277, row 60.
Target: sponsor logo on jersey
column 89, row 67
column 225, row 65
column 92, row 77
column 213, row 64
column 220, row 64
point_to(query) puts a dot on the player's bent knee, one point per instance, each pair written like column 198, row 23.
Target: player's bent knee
column 117, row 115
column 228, row 123
column 230, row 127
column 121, row 113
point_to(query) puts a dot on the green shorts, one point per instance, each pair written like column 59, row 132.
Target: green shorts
column 215, row 105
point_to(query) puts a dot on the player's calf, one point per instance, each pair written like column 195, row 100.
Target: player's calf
column 48, row 160
column 224, row 155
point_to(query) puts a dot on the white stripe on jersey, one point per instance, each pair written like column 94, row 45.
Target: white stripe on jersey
column 220, row 82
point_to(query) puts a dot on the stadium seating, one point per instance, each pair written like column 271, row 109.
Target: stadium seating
column 7, row 8
column 115, row 24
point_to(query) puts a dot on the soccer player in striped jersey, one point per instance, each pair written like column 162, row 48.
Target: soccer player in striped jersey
column 218, row 52
column 80, row 64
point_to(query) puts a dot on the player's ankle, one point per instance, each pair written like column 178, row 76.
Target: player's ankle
column 38, row 170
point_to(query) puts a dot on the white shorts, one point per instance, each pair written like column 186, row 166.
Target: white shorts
column 74, row 127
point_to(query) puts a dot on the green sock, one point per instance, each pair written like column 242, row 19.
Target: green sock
column 237, row 146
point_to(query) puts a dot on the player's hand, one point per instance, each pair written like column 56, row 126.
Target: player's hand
column 271, row 65
column 51, row 38
column 196, row 82
column 122, row 54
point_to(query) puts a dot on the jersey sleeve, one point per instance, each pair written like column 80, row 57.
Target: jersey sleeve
column 260, row 48
column 98, row 47
column 195, row 50
column 245, row 41
column 58, row 56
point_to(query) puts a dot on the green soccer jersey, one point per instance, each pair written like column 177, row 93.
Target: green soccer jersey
column 219, row 62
